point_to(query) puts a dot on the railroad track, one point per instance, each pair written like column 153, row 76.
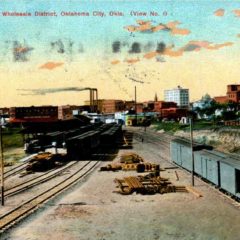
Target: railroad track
column 154, row 138
column 16, row 170
column 19, row 168
column 29, row 206
column 37, row 180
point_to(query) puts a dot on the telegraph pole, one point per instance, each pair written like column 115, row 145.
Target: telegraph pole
column 191, row 140
column 136, row 104
column 2, row 167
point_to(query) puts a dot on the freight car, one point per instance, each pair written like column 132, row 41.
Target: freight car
column 110, row 137
column 83, row 145
column 43, row 141
column 217, row 168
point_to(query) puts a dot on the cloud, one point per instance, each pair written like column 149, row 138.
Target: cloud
column 180, row 31
column 198, row 45
column 191, row 46
column 236, row 12
column 159, row 28
column 132, row 61
column 150, row 55
column 114, row 62
column 148, row 27
column 44, row 91
column 172, row 53
column 173, row 24
column 219, row 13
column 51, row 65
column 218, row 46
column 21, row 51
column 142, row 22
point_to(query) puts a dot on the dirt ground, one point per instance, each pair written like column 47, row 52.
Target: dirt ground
column 91, row 210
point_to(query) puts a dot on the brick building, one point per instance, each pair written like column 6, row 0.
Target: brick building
column 233, row 94
column 157, row 106
column 40, row 113
column 221, row 99
column 34, row 114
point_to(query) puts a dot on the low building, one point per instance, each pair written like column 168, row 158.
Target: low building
column 107, row 105
column 40, row 114
column 157, row 106
column 221, row 99
column 65, row 112
column 34, row 114
column 173, row 113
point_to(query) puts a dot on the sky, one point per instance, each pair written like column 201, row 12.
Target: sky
column 49, row 60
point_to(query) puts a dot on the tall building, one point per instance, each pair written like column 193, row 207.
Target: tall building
column 178, row 95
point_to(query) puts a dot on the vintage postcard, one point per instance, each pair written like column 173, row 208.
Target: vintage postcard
column 120, row 119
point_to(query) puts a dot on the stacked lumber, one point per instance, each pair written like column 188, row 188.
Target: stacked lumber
column 148, row 184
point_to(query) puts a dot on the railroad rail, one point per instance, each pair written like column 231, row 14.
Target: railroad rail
column 15, row 171
column 29, row 206
column 18, row 168
column 37, row 180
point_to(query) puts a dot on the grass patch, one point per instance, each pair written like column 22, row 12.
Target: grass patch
column 169, row 126
column 12, row 138
column 173, row 127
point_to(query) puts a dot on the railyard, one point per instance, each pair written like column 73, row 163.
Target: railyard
column 91, row 208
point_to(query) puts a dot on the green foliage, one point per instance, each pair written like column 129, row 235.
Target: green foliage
column 12, row 138
column 172, row 127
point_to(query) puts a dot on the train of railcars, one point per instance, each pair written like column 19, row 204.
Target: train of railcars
column 57, row 138
column 220, row 169
column 83, row 145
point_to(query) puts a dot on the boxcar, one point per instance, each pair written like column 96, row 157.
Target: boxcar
column 83, row 145
column 207, row 165
column 230, row 175
column 109, row 137
column 221, row 169
column 181, row 152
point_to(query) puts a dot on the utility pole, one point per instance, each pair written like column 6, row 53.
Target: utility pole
column 2, row 167
column 136, row 105
column 191, row 140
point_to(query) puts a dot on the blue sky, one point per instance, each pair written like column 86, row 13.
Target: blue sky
column 200, row 49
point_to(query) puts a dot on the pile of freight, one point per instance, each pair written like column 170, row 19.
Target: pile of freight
column 45, row 161
column 131, row 161
column 149, row 184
